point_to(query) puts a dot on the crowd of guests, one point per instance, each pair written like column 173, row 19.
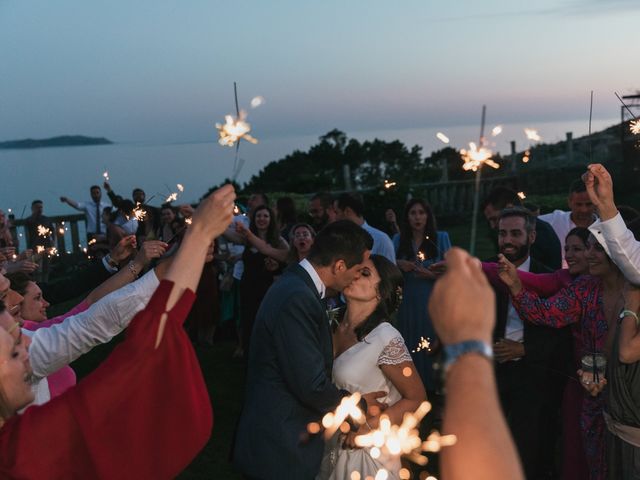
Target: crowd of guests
column 325, row 305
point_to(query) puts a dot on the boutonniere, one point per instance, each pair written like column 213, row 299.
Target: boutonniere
column 334, row 314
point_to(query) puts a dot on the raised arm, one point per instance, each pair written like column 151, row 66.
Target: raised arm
column 71, row 202
column 544, row 284
column 462, row 308
column 280, row 254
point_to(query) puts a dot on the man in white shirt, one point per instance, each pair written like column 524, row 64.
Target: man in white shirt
column 349, row 206
column 611, row 230
column 581, row 214
column 93, row 211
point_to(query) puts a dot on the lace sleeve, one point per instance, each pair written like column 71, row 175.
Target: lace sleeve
column 394, row 353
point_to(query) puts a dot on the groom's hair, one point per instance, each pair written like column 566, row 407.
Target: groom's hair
column 341, row 240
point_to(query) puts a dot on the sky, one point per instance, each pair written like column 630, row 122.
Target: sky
column 163, row 71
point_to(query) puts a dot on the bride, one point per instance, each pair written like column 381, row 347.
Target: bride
column 370, row 355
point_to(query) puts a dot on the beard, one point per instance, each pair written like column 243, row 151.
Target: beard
column 519, row 253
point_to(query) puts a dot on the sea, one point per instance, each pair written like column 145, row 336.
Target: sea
column 49, row 173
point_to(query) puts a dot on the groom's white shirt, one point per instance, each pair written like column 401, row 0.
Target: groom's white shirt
column 320, row 287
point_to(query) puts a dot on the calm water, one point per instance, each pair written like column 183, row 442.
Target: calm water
column 48, row 173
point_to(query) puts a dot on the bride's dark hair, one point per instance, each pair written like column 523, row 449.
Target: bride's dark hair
column 389, row 291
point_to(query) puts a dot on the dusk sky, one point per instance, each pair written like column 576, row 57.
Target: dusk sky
column 163, row 71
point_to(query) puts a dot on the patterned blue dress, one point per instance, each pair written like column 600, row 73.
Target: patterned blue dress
column 413, row 316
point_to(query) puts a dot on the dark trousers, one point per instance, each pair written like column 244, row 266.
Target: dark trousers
column 529, row 416
column 623, row 459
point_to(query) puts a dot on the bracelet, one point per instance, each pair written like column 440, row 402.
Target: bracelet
column 630, row 313
column 132, row 269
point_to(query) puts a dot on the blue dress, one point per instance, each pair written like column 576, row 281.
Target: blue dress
column 413, row 316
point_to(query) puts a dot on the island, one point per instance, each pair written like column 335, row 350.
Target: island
column 61, row 141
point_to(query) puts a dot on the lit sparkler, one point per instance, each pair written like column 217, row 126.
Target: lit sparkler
column 93, row 241
column 43, row 231
column 172, row 197
column 180, row 187
column 532, row 134
column 236, row 210
column 53, row 252
column 60, row 230
column 106, row 176
column 475, row 158
column 188, row 221
column 526, row 157
column 139, row 212
column 423, row 344
column 335, row 420
column 40, row 249
column 521, row 195
column 404, row 439
column 388, row 184
column 234, row 129
column 421, row 256
column 634, row 127
column 497, row 130
column 442, row 137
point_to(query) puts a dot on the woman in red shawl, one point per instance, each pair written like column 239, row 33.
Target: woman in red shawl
column 145, row 412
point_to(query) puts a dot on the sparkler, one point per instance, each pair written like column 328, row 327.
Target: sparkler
column 93, row 241
column 634, row 127
column 475, row 158
column 521, row 195
column 388, row 184
column 172, row 197
column 106, row 176
column 40, row 249
column 497, row 130
column 442, row 137
column 335, row 420
column 43, row 231
column 526, row 157
column 424, row 344
column 139, row 212
column 188, row 221
column 421, row 257
column 257, row 101
column 532, row 134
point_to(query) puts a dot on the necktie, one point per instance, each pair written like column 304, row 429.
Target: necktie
column 98, row 219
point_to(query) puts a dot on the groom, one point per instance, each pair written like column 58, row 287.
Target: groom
column 291, row 357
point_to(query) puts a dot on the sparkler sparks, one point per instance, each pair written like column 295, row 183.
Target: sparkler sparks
column 475, row 158
column 40, row 249
column 634, row 127
column 234, row 129
column 421, row 257
column 526, row 157
column 424, row 344
column 521, row 195
column 93, row 241
column 497, row 130
column 43, row 231
column 348, row 407
column 442, row 137
column 106, row 176
column 188, row 221
column 532, row 134
column 172, row 197
column 180, row 187
column 139, row 213
column 388, row 184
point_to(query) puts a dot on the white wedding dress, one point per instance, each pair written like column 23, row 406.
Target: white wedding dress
column 357, row 369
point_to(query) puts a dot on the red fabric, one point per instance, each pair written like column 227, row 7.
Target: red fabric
column 544, row 284
column 144, row 413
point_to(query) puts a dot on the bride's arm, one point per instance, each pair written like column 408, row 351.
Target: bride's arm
column 405, row 378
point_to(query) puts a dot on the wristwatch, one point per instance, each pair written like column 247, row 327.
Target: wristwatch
column 453, row 352
column 112, row 263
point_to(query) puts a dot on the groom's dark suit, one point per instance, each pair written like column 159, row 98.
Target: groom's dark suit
column 288, row 384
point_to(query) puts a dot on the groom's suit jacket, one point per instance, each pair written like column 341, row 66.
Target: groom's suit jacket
column 288, row 384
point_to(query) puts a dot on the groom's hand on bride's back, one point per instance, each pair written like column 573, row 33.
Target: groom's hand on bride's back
column 374, row 407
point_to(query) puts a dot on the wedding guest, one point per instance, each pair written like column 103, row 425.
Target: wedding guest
column 287, row 218
column 92, row 431
column 170, row 223
column 419, row 245
column 321, row 210
column 619, row 241
column 546, row 249
column 33, row 221
column 92, row 210
column 150, row 222
column 581, row 214
column 349, row 206
column 6, row 239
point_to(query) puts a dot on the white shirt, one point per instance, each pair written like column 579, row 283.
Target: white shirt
column 620, row 245
column 382, row 244
column 317, row 281
column 89, row 208
column 562, row 224
column 130, row 226
column 515, row 328
column 236, row 249
column 54, row 347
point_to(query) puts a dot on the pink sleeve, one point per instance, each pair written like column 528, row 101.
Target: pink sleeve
column 543, row 284
column 81, row 307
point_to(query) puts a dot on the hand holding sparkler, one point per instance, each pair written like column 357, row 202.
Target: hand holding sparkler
column 600, row 189
column 508, row 273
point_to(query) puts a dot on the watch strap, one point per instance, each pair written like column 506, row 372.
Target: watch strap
column 454, row 351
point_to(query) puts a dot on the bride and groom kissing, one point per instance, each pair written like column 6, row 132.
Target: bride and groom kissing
column 298, row 369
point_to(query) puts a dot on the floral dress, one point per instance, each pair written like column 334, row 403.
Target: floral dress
column 579, row 305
